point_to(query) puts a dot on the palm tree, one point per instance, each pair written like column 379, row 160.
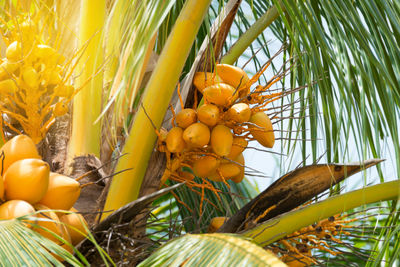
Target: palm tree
column 339, row 60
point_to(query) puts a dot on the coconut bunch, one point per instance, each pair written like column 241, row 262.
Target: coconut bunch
column 27, row 186
column 34, row 79
column 210, row 140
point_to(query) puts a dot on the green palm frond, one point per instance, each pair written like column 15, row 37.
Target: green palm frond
column 229, row 202
column 129, row 54
column 211, row 250
column 280, row 226
column 21, row 246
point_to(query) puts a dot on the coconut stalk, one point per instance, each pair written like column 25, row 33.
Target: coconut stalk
column 276, row 228
column 140, row 142
column 251, row 34
column 85, row 136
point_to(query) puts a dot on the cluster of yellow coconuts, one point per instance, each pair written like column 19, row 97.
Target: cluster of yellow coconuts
column 210, row 139
column 33, row 80
column 28, row 186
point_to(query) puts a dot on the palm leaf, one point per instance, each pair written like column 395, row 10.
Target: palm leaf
column 292, row 190
column 22, row 246
column 282, row 225
column 227, row 203
column 211, row 250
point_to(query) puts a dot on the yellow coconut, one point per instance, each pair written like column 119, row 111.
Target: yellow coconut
column 227, row 170
column 27, row 179
column 60, row 109
column 7, row 68
column 208, row 114
column 174, row 140
column 186, row 175
column 239, row 144
column 15, row 208
column 220, row 94
column 264, row 133
column 221, row 140
column 30, row 77
column 13, row 51
column 17, row 148
column 62, row 192
column 239, row 112
column 233, row 76
column 8, row 86
column 216, row 223
column 205, row 166
column 238, row 178
column 202, row 80
column 76, row 226
column 186, row 117
column 197, row 135
column 49, row 220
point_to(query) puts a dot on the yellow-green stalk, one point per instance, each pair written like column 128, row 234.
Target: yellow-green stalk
column 274, row 229
column 140, row 142
column 251, row 34
column 85, row 136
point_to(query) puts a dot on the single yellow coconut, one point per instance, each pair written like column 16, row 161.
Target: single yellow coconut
column 220, row 94
column 208, row 114
column 62, row 192
column 205, row 166
column 263, row 132
column 197, row 135
column 232, row 75
column 15, row 208
column 239, row 144
column 76, row 226
column 238, row 178
column 7, row 68
column 216, row 223
column 30, row 77
column 27, row 179
column 239, row 112
column 202, row 80
column 17, row 148
column 227, row 170
column 13, row 51
column 186, row 117
column 8, row 86
column 221, row 140
column 174, row 140
column 185, row 175
column 60, row 109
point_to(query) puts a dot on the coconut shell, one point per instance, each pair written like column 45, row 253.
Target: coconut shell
column 197, row 135
column 220, row 94
column 75, row 221
column 208, row 114
column 62, row 192
column 205, row 166
column 186, row 117
column 174, row 140
column 263, row 132
column 27, row 179
column 17, row 148
column 15, row 208
column 221, row 140
column 202, row 80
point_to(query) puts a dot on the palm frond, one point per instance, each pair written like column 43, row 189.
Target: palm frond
column 19, row 245
column 211, row 250
column 225, row 203
column 282, row 225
